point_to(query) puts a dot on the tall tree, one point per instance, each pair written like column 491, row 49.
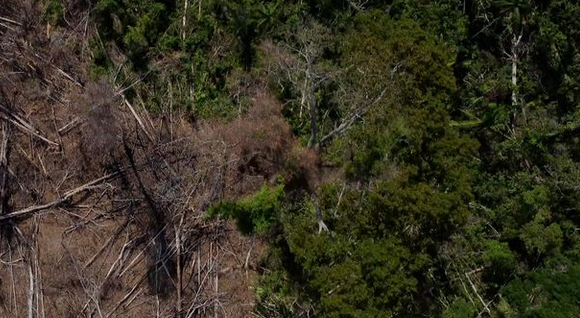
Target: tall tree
column 515, row 11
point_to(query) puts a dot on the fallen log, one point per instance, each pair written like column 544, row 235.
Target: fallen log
column 32, row 210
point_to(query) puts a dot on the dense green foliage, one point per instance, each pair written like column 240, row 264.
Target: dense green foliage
column 192, row 53
column 453, row 126
column 255, row 214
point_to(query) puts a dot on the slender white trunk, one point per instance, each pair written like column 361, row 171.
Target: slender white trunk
column 249, row 253
column 303, row 99
column 184, row 20
column 514, row 58
column 199, row 10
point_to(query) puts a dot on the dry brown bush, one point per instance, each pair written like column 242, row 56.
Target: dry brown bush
column 101, row 134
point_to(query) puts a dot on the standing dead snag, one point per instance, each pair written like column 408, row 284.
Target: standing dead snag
column 320, row 220
column 300, row 65
column 516, row 12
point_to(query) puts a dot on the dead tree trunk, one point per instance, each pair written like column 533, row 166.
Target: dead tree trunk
column 514, row 57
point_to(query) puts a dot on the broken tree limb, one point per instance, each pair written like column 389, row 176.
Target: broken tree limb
column 8, row 27
column 62, row 200
column 4, row 155
column 485, row 306
column 139, row 121
column 358, row 113
column 72, row 124
column 111, row 240
column 63, row 73
column 126, row 297
column 24, row 125
column 11, row 21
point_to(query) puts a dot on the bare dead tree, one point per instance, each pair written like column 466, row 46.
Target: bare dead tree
column 299, row 62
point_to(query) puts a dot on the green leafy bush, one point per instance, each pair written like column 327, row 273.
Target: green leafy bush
column 255, row 214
